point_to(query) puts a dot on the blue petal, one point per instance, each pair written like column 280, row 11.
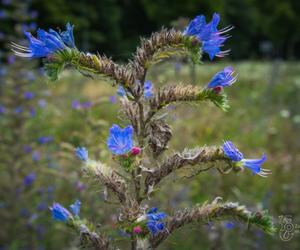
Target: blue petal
column 36, row 47
column 121, row 91
column 148, row 92
column 160, row 226
column 52, row 42
column 152, row 227
column 232, row 152
column 152, row 210
column 254, row 164
column 59, row 212
column 223, row 78
column 75, row 207
column 195, row 26
column 82, row 153
column 215, row 22
column 120, row 141
column 67, row 36
column 213, row 47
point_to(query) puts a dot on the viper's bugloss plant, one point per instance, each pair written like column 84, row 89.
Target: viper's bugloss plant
column 138, row 147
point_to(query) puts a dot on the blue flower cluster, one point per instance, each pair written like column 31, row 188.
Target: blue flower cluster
column 253, row 164
column 154, row 220
column 223, row 78
column 212, row 39
column 46, row 43
column 120, row 141
column 60, row 213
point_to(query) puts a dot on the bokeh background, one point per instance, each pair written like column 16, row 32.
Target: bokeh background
column 41, row 122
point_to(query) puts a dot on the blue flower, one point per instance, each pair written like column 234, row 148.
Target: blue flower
column 33, row 14
column 86, row 105
column 253, row 164
column 46, row 43
column 229, row 225
column 76, row 104
column 75, row 207
column 45, row 139
column 3, row 14
column 121, row 91
column 32, row 112
column 41, row 206
column 148, row 92
column 42, row 103
column 29, row 179
column 113, row 99
column 208, row 33
column 36, row 156
column 2, row 109
column 60, row 213
column 120, row 141
column 27, row 149
column 6, row 2
column 19, row 110
column 11, row 59
column 81, row 105
column 82, row 153
column 223, row 78
column 67, row 36
column 154, row 220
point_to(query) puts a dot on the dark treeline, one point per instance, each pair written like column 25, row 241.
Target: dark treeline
column 264, row 28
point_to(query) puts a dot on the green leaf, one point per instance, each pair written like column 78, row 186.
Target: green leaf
column 219, row 99
column 56, row 63
column 193, row 47
column 264, row 221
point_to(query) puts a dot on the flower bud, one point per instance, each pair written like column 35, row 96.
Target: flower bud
column 135, row 151
column 137, row 230
column 218, row 89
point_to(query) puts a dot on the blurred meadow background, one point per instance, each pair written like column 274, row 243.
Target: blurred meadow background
column 42, row 122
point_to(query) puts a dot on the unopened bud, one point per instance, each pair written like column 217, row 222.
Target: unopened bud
column 135, row 150
column 137, row 230
column 218, row 89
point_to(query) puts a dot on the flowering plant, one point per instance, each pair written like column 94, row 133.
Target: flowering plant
column 135, row 181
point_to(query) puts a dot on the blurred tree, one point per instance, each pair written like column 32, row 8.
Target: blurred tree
column 111, row 26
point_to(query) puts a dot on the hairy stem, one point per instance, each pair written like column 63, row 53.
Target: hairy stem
column 214, row 212
column 179, row 160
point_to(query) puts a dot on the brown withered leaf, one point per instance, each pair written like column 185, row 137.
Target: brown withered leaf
column 160, row 134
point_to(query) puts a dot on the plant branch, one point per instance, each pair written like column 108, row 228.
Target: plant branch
column 108, row 178
column 179, row 160
column 214, row 212
column 159, row 42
